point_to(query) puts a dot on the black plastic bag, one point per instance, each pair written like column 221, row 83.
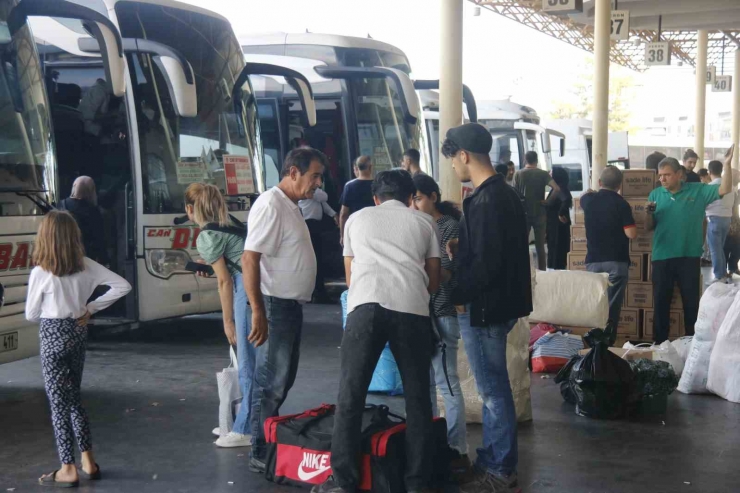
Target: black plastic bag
column 563, row 378
column 602, row 382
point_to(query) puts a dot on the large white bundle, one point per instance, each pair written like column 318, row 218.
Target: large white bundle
column 517, row 363
column 571, row 298
column 713, row 308
column 724, row 364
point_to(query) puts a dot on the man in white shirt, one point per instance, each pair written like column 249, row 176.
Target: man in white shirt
column 719, row 216
column 392, row 262
column 313, row 211
column 279, row 274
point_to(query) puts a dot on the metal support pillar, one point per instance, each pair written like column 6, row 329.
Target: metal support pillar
column 736, row 111
column 701, row 95
column 450, row 89
column 602, row 46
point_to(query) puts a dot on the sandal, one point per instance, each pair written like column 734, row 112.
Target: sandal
column 90, row 477
column 51, row 480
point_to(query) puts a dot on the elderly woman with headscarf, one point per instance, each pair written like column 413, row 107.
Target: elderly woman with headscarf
column 83, row 205
column 558, row 206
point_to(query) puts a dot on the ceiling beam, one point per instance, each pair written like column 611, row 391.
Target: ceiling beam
column 642, row 8
column 728, row 20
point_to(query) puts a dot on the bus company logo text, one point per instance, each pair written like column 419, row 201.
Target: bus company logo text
column 16, row 256
column 182, row 238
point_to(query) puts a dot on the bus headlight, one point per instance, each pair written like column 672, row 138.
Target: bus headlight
column 166, row 263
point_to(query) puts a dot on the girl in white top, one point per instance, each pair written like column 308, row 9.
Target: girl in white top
column 58, row 289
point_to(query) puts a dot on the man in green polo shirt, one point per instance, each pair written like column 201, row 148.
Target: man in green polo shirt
column 676, row 214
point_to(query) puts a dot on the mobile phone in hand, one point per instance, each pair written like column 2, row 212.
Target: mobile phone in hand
column 196, row 267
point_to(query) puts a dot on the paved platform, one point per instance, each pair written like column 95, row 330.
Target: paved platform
column 151, row 395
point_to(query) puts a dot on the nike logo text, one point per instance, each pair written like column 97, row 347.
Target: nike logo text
column 318, row 462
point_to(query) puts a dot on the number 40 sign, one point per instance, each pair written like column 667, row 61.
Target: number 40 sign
column 722, row 83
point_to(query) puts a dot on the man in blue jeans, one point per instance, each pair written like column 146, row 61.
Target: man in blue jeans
column 609, row 228
column 495, row 285
column 279, row 274
column 719, row 216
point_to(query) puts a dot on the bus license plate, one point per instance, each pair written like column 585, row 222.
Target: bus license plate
column 9, row 342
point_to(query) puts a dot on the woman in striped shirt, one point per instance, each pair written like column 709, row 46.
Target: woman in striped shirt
column 444, row 316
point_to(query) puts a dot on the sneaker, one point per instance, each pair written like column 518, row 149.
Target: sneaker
column 216, row 431
column 328, row 486
column 461, row 470
column 234, row 439
column 257, row 465
column 483, row 482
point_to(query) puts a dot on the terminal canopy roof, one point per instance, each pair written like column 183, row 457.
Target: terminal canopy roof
column 676, row 21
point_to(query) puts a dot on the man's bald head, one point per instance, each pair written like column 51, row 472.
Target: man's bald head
column 83, row 188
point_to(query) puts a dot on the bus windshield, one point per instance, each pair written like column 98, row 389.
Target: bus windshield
column 382, row 132
column 177, row 151
column 26, row 152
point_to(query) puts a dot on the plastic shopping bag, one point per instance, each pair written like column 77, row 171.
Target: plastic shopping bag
column 663, row 352
column 228, row 392
column 552, row 351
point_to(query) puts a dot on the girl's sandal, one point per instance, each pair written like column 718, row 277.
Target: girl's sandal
column 51, row 480
column 90, row 477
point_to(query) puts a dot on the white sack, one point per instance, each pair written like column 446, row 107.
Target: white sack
column 724, row 364
column 571, row 298
column 517, row 363
column 714, row 305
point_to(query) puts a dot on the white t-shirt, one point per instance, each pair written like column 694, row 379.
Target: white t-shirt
column 389, row 244
column 723, row 206
column 278, row 231
column 55, row 297
column 316, row 207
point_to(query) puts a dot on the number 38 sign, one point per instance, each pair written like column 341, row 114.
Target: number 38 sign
column 658, row 53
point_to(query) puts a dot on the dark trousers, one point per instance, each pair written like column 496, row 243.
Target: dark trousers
column 369, row 327
column 276, row 366
column 315, row 228
column 666, row 273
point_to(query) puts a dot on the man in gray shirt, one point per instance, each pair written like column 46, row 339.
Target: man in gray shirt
column 531, row 182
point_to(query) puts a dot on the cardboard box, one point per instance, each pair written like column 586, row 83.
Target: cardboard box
column 577, row 261
column 629, row 355
column 578, row 216
column 638, row 182
column 629, row 322
column 578, row 239
column 638, row 210
column 643, row 243
column 639, row 295
column 675, row 330
column 636, row 271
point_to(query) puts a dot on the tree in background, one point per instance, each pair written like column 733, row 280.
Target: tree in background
column 578, row 102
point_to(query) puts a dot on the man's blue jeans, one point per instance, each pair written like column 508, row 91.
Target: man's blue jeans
column 449, row 332
column 717, row 231
column 486, row 350
column 246, row 353
column 619, row 273
column 277, row 366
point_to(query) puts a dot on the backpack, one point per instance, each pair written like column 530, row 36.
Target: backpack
column 237, row 228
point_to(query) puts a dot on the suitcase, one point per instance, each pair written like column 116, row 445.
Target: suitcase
column 299, row 449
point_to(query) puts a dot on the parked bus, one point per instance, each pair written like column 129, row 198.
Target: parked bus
column 366, row 103
column 145, row 97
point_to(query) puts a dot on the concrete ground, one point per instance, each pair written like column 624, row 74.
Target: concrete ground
column 152, row 399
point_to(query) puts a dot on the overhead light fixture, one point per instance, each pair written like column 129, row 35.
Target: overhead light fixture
column 636, row 42
column 476, row 11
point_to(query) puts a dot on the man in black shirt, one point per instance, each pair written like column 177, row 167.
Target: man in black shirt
column 358, row 193
column 609, row 229
column 495, row 285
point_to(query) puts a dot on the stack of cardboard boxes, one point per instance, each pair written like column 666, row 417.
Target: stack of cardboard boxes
column 636, row 320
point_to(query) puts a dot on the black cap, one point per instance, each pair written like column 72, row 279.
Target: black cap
column 471, row 137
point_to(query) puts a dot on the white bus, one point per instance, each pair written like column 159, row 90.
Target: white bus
column 146, row 97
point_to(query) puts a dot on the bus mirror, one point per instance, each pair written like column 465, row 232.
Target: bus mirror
column 295, row 79
column 467, row 96
column 562, row 147
column 404, row 87
column 104, row 31
column 172, row 64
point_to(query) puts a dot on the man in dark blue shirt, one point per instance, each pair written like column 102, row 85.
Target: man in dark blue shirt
column 609, row 228
column 357, row 193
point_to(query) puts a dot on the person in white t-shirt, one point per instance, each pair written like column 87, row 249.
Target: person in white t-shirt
column 279, row 272
column 392, row 262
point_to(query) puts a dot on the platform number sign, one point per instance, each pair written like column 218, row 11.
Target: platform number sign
column 620, row 25
column 723, row 83
column 711, row 74
column 658, row 53
column 562, row 6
